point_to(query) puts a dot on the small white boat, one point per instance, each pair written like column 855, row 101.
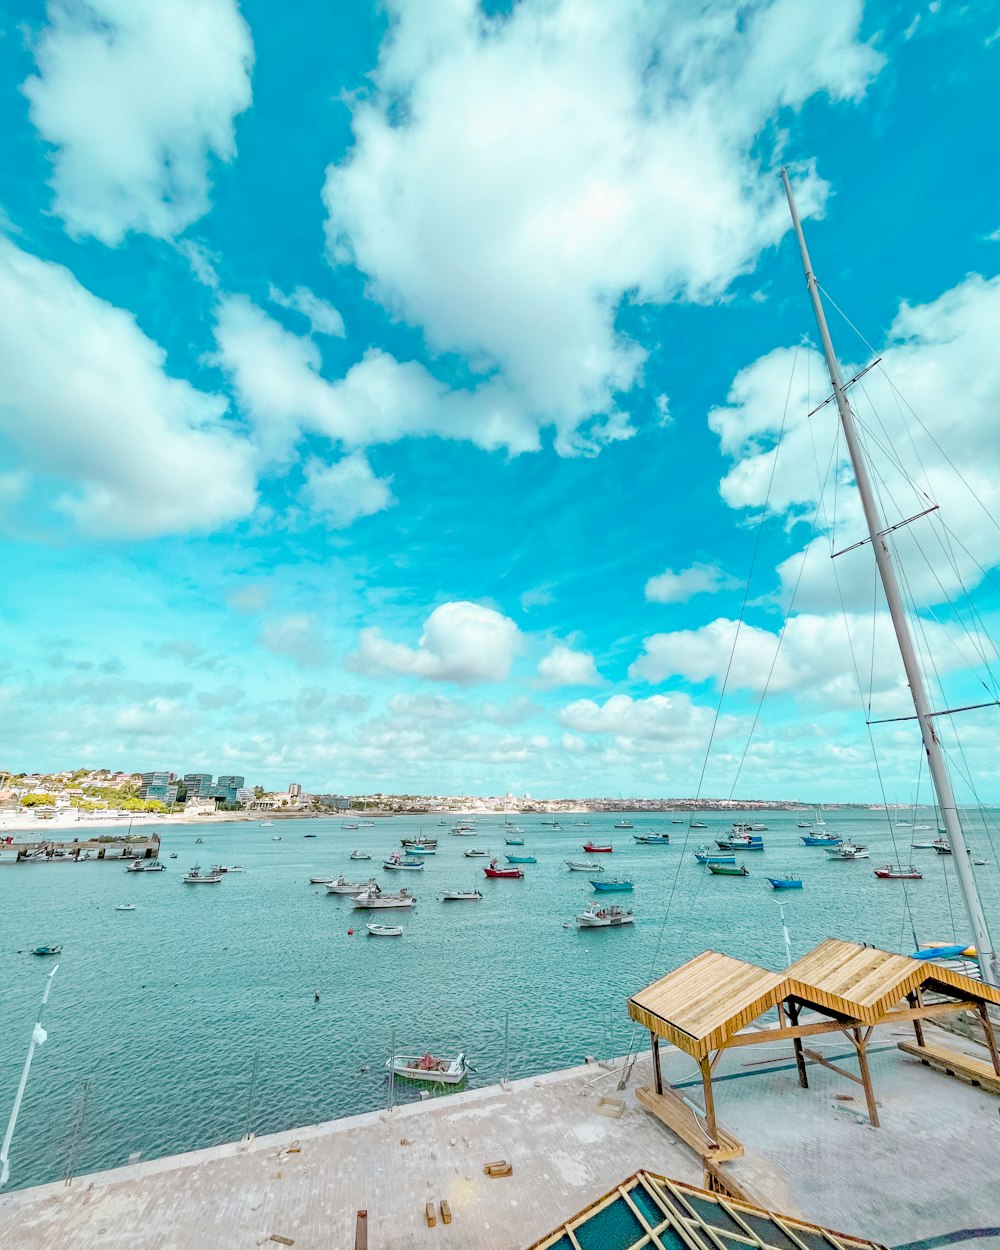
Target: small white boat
column 463, row 831
column 146, row 865
column 276, row 838
column 396, row 863
column 373, row 899
column 321, row 880
column 173, row 854
column 474, row 852
column 343, row 886
column 221, row 868
column 848, row 850
column 582, row 865
column 349, row 824
column 366, row 824
column 384, row 930
column 197, row 877
column 461, row 896
column 125, row 907
column 603, row 916
column 624, row 824
column 265, row 824
column 360, row 855
column 426, row 1068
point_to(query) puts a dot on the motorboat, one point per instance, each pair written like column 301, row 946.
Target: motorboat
column 592, row 848
column 728, row 870
column 624, row 824
column 396, row 863
column 604, row 916
column 409, row 843
column 475, row 853
column 419, row 848
column 805, row 824
column 942, row 846
column 366, row 824
column 47, row 950
column 520, row 859
column 198, row 841
column 146, row 865
column 196, row 877
column 461, row 896
column 372, row 898
column 426, row 1068
column 514, row 841
column 360, row 855
column 611, row 884
column 494, row 870
column 759, row 828
column 124, row 906
column 705, row 855
column 343, row 886
column 349, row 824
column 173, row 854
column 742, row 826
column 651, row 839
column 321, row 880
column 276, row 838
column 821, row 839
column 785, row 883
column 463, row 831
column 848, row 850
column 227, row 868
column 582, row 865
column 894, row 872
column 697, row 824
column 384, row 930
column 921, row 846
column 265, row 824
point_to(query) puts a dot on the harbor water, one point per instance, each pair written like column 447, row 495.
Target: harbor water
column 194, row 1019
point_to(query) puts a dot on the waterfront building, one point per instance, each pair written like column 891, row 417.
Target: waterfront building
column 161, row 786
column 295, row 790
column 227, row 788
column 198, row 785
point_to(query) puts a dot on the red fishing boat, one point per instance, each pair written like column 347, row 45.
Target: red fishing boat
column 890, row 872
column 592, row 849
column 495, row 870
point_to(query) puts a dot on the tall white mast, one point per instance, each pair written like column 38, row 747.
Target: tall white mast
column 932, row 745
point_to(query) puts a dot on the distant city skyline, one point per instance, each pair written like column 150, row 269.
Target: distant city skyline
column 425, row 399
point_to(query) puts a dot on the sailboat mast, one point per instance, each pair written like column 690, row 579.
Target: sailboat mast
column 935, row 755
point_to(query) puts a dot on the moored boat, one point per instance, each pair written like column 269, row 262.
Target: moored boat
column 47, row 950
column 728, row 870
column 124, row 906
column 474, row 852
column 384, row 930
column 196, row 877
column 372, row 898
column 624, row 824
column 848, row 850
column 514, row 841
column 360, row 855
column 223, row 868
column 343, row 886
column 821, row 839
column 426, row 1068
column 396, row 863
column 146, row 865
column 461, row 896
column 520, row 859
column 494, row 870
column 611, row 884
column 894, row 872
column 652, row 839
column 582, row 865
column 592, row 848
column 407, row 843
column 921, row 846
column 706, row 856
column 785, row 883
column 604, row 916
column 321, row 880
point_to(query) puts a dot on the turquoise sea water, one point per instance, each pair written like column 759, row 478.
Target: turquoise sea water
column 188, row 1021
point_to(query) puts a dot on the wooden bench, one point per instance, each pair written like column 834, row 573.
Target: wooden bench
column 973, row 1071
column 688, row 1126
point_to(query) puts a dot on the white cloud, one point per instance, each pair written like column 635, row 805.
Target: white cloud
column 136, row 99
column 942, row 357
column 278, row 379
column 297, row 636
column 250, row 598
column 515, row 177
column 461, row 642
column 659, row 718
column 537, row 597
column 344, row 491
column 679, row 587
column 85, row 400
column 565, row 667
column 323, row 318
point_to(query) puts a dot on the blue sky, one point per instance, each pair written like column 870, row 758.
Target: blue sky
column 389, row 394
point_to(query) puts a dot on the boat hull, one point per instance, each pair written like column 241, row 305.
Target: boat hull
column 785, row 883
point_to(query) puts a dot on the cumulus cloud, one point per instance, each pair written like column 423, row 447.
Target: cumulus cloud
column 515, row 177
column 461, row 642
column 323, row 318
column 565, row 667
column 279, row 382
column 934, row 353
column 86, row 400
column 659, row 718
column 679, row 587
column 297, row 636
column 136, row 99
column 344, row 491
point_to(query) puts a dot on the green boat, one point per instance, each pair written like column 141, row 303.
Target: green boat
column 520, row 859
column 47, row 950
column 727, row 870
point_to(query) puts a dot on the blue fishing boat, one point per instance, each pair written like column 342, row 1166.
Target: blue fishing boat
column 612, row 883
column 520, row 859
column 514, row 841
column 706, row 857
column 821, row 839
column 785, row 883
column 652, row 839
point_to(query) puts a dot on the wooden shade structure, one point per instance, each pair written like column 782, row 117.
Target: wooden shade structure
column 705, row 1005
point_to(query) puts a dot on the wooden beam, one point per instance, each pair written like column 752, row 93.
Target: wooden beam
column 786, row 1034
column 706, row 1080
column 816, row 1057
column 991, row 1040
column 861, row 1043
column 657, row 1074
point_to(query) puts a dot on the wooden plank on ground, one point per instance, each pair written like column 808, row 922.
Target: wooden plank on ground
column 972, row 1071
column 681, row 1120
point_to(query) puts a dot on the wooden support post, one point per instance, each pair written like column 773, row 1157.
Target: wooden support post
column 918, row 1028
column 861, row 1045
column 706, row 1081
column 991, row 1040
column 800, row 1063
column 361, row 1231
column 657, row 1074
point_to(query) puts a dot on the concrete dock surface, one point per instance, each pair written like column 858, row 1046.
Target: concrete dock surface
column 930, row 1170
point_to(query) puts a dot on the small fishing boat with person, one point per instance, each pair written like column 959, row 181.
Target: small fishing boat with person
column 604, row 916
column 426, row 1068
column 848, row 851
column 407, row 843
column 494, row 870
column 373, row 898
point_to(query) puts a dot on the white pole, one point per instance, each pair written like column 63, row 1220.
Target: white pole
column 38, row 1036
column 935, row 756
